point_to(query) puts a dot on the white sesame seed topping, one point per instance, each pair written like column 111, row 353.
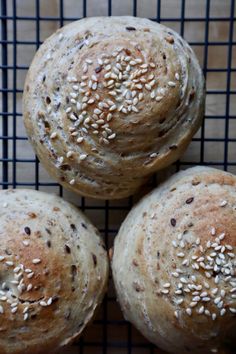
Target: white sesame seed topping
column 148, row 87
column 49, row 302
column 83, row 157
column 9, row 263
column 153, row 155
column 189, row 311
column 176, row 314
column 2, row 258
column 36, row 261
column 166, row 285
column 69, row 154
column 29, row 287
column 30, row 275
column 213, row 231
column 177, row 76
column 175, row 274
column 1, row 309
column 25, row 243
column 171, row 83
column 14, row 310
column 178, row 292
column 43, row 303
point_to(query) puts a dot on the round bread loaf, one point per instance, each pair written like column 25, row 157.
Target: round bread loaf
column 174, row 263
column 108, row 101
column 53, row 272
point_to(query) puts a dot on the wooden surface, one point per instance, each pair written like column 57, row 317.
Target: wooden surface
column 214, row 128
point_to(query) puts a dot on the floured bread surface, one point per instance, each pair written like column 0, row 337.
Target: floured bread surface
column 174, row 263
column 53, row 272
column 108, row 101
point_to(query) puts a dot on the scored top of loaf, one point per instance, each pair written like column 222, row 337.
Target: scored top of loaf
column 107, row 101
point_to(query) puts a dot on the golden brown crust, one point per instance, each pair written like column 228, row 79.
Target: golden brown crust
column 107, row 101
column 174, row 263
column 53, row 269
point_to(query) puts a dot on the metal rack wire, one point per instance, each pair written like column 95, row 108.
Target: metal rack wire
column 111, row 333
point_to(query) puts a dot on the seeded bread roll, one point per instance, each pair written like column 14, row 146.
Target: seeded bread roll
column 174, row 263
column 108, row 101
column 53, row 270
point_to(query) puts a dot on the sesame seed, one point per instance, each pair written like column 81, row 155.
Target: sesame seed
column 189, row 311
column 153, row 155
column 207, row 313
column 29, row 287
column 82, row 157
column 30, row 275
column 174, row 244
column 171, row 83
column 139, row 86
column 26, row 316
column 1, row 309
column 177, row 76
column 201, row 310
column 166, row 285
column 36, row 260
column 112, row 136
column 73, row 95
column 185, row 262
column 14, row 304
column 179, row 302
column 222, row 312
column 112, row 108
column 15, row 282
column 9, row 263
column 43, row 303
column 14, row 310
column 231, row 255
column 176, row 314
column 148, row 87
column 178, row 292
column 89, row 61
column 223, row 203
column 213, row 316
column 69, row 154
column 166, row 291
column 153, row 94
column 49, row 302
column 80, row 139
column 193, row 304
column 175, row 274
column 208, row 275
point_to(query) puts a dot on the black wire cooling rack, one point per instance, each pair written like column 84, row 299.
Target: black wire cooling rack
column 209, row 26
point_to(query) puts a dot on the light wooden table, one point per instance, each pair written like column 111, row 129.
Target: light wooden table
column 214, row 128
